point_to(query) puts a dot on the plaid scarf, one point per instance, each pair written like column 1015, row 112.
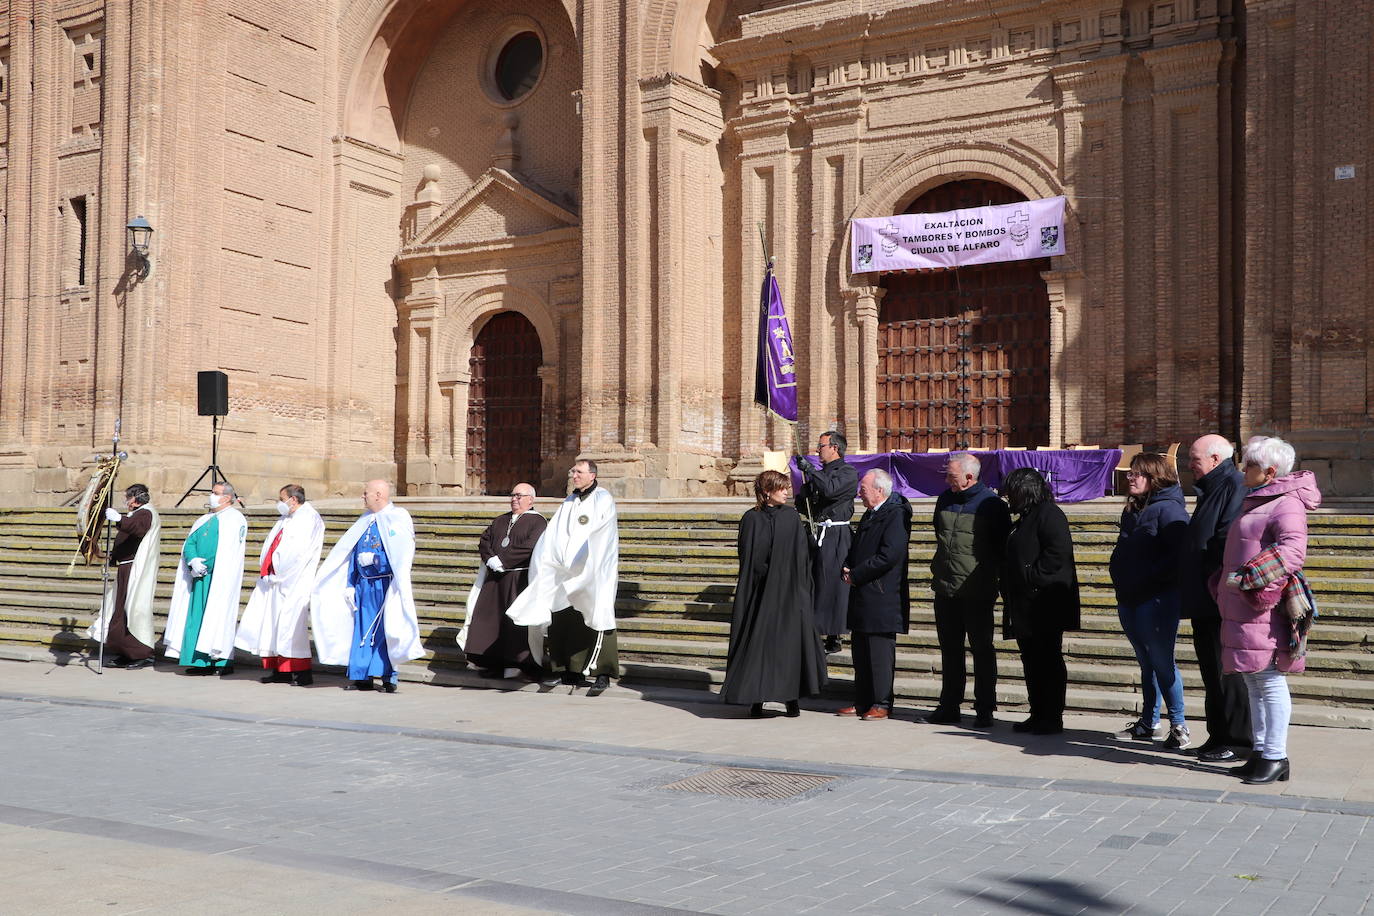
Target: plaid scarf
column 1297, row 602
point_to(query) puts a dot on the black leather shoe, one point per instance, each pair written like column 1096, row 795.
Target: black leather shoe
column 1267, row 771
column 303, row 678
column 200, row 672
column 225, row 671
column 115, row 661
column 1025, row 727
column 1215, row 754
column 551, row 681
column 793, row 709
column 389, row 686
column 983, row 720
column 942, row 716
column 139, row 663
column 1248, row 767
column 601, row 683
column 276, row 677
column 359, row 685
column 756, row 711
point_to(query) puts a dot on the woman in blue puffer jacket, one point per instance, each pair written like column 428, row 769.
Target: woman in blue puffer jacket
column 1144, row 569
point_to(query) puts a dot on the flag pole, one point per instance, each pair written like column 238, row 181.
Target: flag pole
column 796, row 427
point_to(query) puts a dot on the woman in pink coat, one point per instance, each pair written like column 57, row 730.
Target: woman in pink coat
column 1255, row 630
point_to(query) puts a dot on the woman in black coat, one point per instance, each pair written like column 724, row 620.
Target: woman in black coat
column 1039, row 595
column 775, row 652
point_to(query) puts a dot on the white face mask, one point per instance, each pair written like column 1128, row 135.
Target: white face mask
column 212, row 502
column 282, row 508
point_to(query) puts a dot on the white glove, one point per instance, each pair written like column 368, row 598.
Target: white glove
column 113, row 515
column 198, row 567
column 494, row 564
column 351, row 598
column 367, row 558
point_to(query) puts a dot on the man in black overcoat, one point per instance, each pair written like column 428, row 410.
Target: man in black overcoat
column 826, row 499
column 879, row 595
column 492, row 641
column 1220, row 490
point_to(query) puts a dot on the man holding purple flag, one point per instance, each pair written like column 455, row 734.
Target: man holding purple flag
column 826, row 497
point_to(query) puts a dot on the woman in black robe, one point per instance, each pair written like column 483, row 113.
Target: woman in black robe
column 1039, row 595
column 775, row 653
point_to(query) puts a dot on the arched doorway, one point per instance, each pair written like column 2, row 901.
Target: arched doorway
column 504, row 404
column 964, row 355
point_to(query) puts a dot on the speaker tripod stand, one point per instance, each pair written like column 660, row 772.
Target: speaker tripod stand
column 213, row 470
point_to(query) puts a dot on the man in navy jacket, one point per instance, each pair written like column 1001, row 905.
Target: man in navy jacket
column 879, row 596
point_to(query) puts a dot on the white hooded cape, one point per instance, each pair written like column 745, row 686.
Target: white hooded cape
column 274, row 620
column 138, row 597
column 574, row 564
column 330, row 618
column 216, row 638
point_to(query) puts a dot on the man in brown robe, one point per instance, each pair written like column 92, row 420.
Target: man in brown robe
column 131, row 615
column 492, row 641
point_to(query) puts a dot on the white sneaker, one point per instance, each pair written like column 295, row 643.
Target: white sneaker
column 1178, row 738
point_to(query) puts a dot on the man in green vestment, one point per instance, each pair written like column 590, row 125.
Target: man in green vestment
column 205, row 597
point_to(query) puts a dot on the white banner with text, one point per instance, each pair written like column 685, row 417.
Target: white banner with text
column 978, row 235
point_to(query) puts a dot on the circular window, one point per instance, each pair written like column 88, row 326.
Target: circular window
column 518, row 65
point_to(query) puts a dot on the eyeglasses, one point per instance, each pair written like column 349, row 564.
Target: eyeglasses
column 522, row 496
column 1137, row 475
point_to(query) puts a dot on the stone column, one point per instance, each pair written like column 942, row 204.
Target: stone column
column 418, row 313
column 1095, row 147
column 1067, row 392
column 682, row 125
column 451, row 455
column 1186, row 252
column 862, row 303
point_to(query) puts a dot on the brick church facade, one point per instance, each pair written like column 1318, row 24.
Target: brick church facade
column 458, row 243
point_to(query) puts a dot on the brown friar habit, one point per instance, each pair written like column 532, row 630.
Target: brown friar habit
column 494, row 640
column 129, row 534
column 775, row 652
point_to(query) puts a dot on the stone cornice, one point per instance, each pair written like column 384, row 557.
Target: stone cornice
column 1089, row 81
column 1183, row 67
column 447, row 253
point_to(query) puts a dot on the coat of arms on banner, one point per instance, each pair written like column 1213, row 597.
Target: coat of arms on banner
column 1049, row 237
column 865, row 255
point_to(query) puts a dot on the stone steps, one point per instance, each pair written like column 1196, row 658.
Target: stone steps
column 674, row 613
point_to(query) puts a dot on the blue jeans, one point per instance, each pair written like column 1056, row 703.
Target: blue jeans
column 1152, row 628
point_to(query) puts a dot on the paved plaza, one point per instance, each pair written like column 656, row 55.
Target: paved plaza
column 146, row 791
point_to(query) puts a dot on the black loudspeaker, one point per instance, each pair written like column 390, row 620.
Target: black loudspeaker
column 212, row 389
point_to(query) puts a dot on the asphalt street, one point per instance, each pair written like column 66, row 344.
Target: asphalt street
column 167, row 795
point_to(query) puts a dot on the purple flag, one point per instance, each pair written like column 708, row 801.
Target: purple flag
column 775, row 371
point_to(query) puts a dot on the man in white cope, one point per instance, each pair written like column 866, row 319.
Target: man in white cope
column 125, row 624
column 273, row 624
column 362, row 610
column 205, row 596
column 573, row 575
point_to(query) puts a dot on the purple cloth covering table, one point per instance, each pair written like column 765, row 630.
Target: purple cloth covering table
column 1075, row 475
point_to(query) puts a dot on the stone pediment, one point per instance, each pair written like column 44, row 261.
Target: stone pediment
column 498, row 208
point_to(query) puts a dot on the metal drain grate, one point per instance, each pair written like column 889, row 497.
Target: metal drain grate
column 736, row 783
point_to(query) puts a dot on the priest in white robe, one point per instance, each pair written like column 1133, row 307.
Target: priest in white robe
column 274, row 622
column 125, row 623
column 205, row 595
column 362, row 610
column 573, row 577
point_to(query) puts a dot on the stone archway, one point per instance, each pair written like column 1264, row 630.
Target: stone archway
column 505, row 401
column 964, row 355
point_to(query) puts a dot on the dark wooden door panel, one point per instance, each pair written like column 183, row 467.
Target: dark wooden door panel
column 963, row 356
column 504, row 404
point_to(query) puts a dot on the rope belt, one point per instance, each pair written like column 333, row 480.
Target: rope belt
column 824, row 525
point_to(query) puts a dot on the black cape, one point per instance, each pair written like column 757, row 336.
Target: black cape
column 775, row 653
